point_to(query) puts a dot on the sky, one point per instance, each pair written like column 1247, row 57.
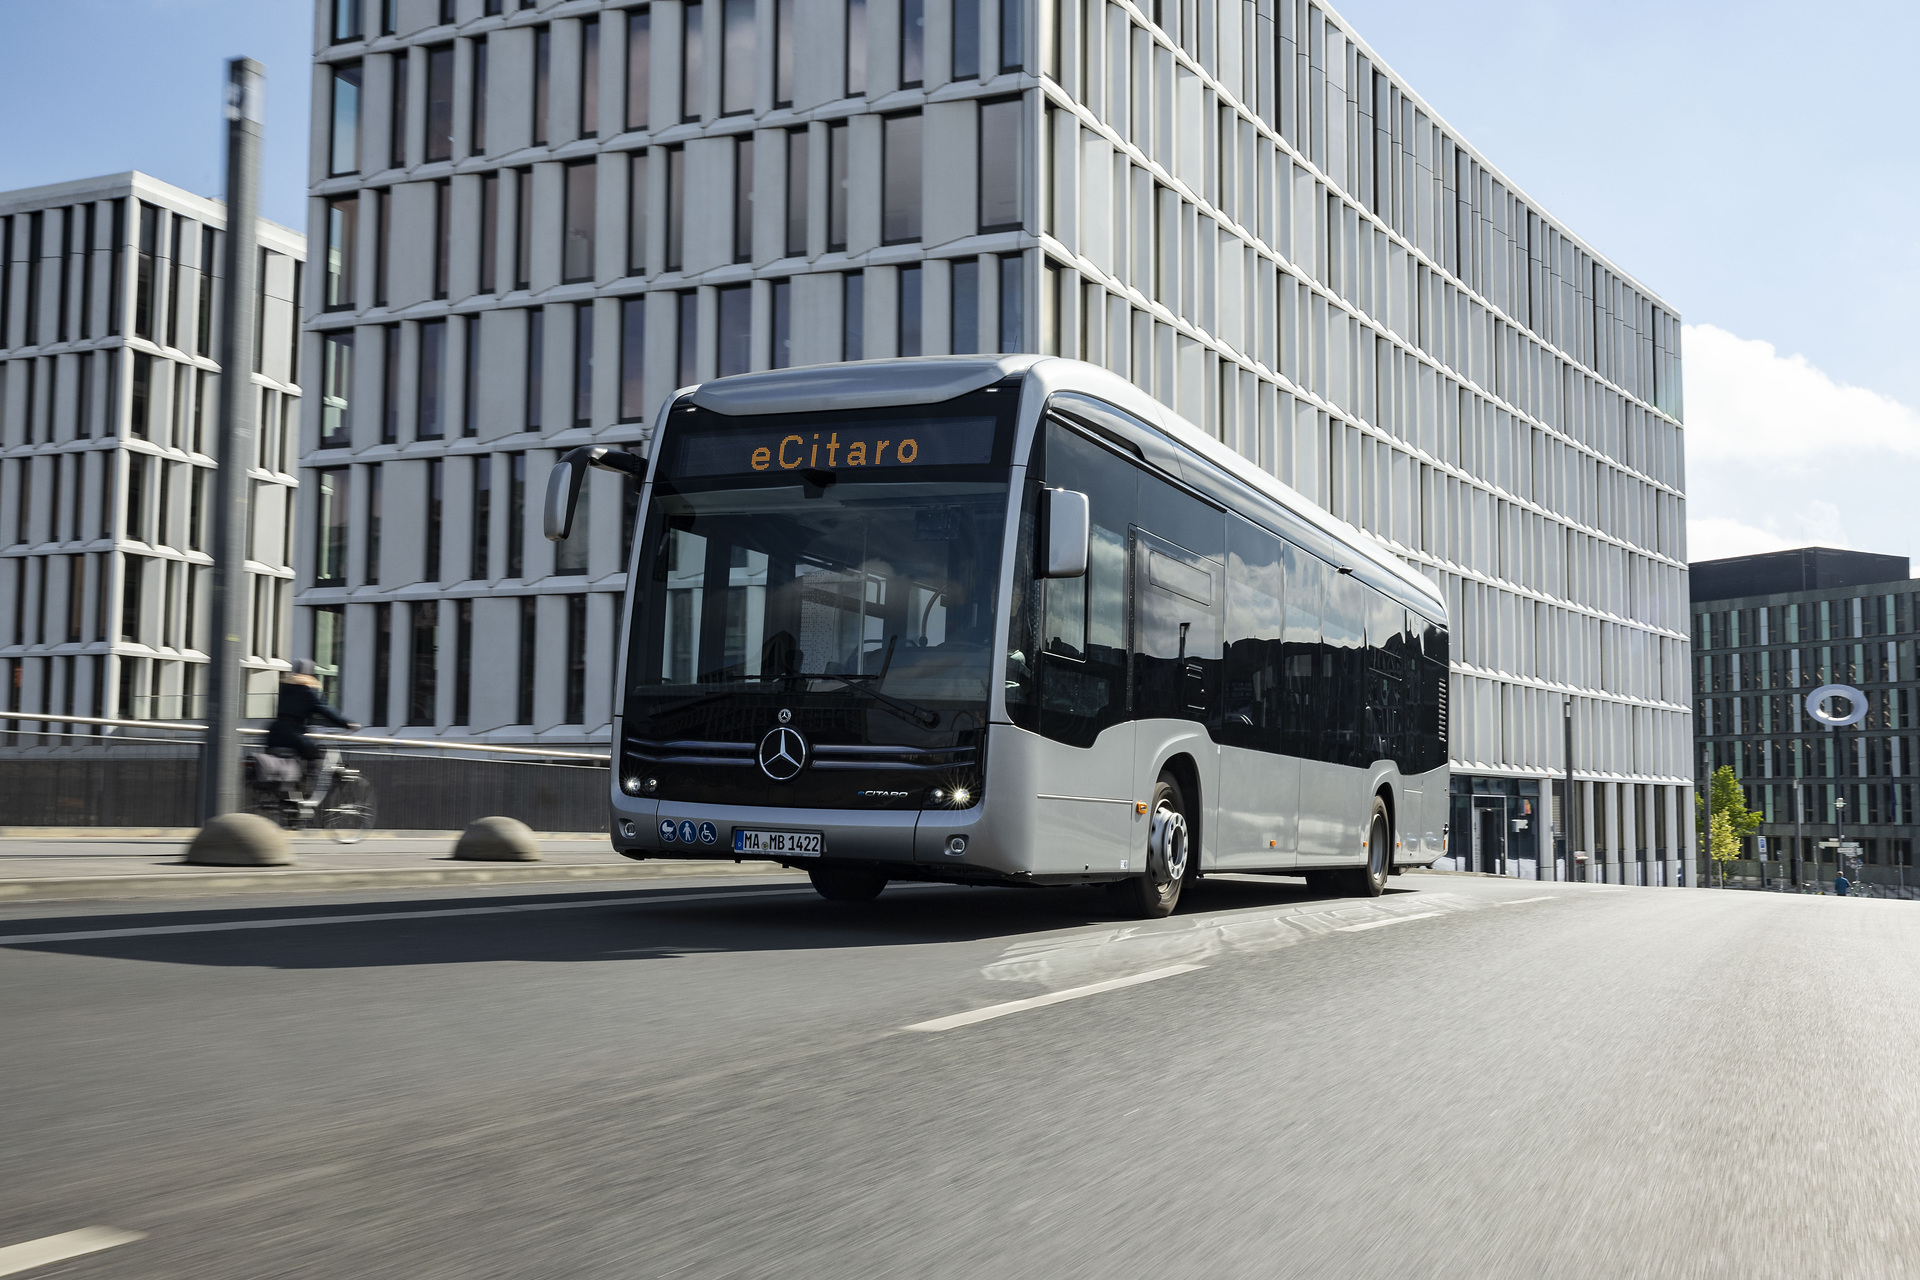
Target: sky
column 1746, row 162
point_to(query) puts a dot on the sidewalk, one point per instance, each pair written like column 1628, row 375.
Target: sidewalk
column 68, row 863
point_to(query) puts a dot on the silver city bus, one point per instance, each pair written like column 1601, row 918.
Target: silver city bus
column 1008, row 620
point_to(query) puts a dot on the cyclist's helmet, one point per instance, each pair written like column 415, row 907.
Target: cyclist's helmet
column 303, row 666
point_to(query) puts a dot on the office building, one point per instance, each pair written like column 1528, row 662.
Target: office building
column 109, row 328
column 541, row 217
column 1767, row 631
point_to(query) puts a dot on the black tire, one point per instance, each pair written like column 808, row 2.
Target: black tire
column 1155, row 892
column 347, row 811
column 839, row 885
column 1370, row 881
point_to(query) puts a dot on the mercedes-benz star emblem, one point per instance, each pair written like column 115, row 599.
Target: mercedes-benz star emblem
column 783, row 754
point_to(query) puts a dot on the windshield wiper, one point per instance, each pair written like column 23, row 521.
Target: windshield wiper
column 919, row 715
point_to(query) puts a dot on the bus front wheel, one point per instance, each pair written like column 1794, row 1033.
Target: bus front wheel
column 1170, row 858
column 1370, row 881
column 837, row 885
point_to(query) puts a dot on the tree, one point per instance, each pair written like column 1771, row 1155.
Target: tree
column 1732, row 823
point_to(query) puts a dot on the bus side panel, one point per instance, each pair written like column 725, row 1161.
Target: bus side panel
column 1437, row 784
column 1333, row 814
column 1258, row 823
column 1057, row 809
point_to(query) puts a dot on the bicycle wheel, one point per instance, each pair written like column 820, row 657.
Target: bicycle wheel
column 347, row 812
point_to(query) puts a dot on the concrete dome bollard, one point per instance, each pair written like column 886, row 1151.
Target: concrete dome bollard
column 240, row 840
column 497, row 840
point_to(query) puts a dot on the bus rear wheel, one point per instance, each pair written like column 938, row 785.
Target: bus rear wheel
column 839, row 885
column 1170, row 858
column 1370, row 881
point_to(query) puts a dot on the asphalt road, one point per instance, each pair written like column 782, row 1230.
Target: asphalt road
column 1484, row 1078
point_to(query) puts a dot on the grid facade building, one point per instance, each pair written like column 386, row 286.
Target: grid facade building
column 109, row 328
column 1804, row 619
column 541, row 217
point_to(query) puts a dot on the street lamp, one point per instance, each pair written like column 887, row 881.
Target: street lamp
column 1839, row 830
column 1799, row 811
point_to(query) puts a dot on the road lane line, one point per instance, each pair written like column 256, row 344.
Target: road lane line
column 1514, row 902
column 68, row 1244
column 226, row 926
column 1381, row 924
column 992, row 1011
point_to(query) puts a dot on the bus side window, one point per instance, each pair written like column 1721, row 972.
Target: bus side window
column 1306, row 724
column 1254, row 689
column 1343, row 646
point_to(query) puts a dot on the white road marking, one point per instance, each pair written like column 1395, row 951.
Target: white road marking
column 1381, row 924
column 992, row 1011
column 225, row 926
column 68, row 1244
column 1514, row 902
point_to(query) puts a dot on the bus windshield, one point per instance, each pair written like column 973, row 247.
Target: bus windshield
column 871, row 589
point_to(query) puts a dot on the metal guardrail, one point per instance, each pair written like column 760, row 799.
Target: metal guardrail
column 188, row 726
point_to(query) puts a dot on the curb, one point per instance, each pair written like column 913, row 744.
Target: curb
column 296, row 880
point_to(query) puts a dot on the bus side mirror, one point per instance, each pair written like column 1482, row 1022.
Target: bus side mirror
column 1069, row 528
column 563, row 483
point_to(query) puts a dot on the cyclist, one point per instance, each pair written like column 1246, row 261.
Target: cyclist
column 300, row 704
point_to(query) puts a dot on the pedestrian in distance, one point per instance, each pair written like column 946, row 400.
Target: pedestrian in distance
column 1840, row 885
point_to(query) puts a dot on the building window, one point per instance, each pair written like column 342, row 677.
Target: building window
column 470, row 379
column 462, row 661
column 639, row 65
column 856, row 48
column 376, row 485
column 343, row 229
column 397, row 123
column 590, row 78
column 838, row 139
column 329, row 646
column 676, row 206
column 345, row 152
column 736, row 57
column 742, row 195
column 382, row 664
column 853, row 316
column 570, row 556
column 440, row 102
column 436, row 505
column 965, row 311
column 687, row 337
column 736, row 330
column 142, row 392
column 542, row 83
column 330, row 547
column 783, row 324
column 143, row 283
column 577, row 263
column 203, row 324
column 134, row 569
column 389, row 16
column 536, row 365
column 913, row 43
column 909, row 335
column 692, row 61
column 480, row 538
column 783, row 53
column 1013, row 35
column 576, row 660
column 346, row 21
column 966, row 39
column 336, row 386
column 1013, row 303
column 1000, row 193
column 443, row 235
column 382, row 239
column 390, row 387
column 477, row 112
column 637, row 214
column 633, row 358
column 900, row 179
column 583, row 364
column 529, row 629
column 489, row 232
column 798, row 146
column 516, row 514
column 423, row 667
column 448, row 14
column 523, row 229
column 432, row 422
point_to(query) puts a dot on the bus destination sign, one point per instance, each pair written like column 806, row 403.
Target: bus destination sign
column 860, row 446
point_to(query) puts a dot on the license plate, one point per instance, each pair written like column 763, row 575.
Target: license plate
column 794, row 844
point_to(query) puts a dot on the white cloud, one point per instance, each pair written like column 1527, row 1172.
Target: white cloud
column 1746, row 399
column 1780, row 455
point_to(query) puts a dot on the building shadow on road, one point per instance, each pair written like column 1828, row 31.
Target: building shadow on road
column 621, row 928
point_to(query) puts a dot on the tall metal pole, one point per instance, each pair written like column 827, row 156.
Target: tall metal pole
column 1799, row 815
column 1709, row 804
column 1566, row 800
column 232, row 503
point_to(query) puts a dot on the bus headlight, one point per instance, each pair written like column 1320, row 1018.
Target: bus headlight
column 962, row 798
column 637, row 786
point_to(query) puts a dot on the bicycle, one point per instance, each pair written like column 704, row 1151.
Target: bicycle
column 342, row 806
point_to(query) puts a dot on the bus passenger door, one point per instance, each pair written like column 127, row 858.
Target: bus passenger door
column 1175, row 651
